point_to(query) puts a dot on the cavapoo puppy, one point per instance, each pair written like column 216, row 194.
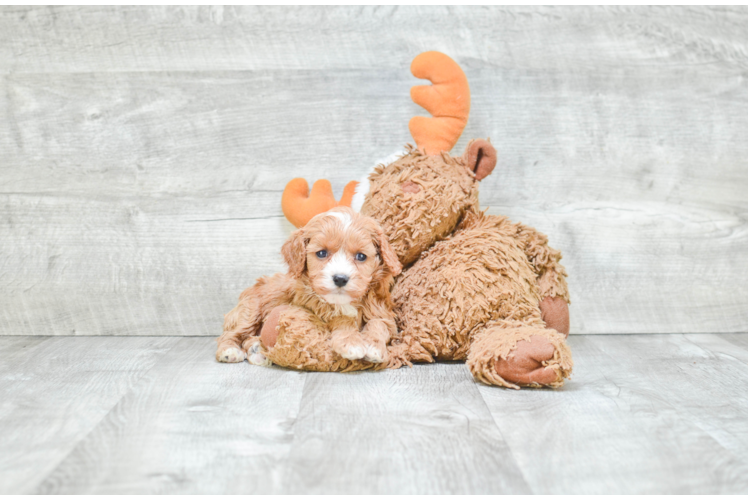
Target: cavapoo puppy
column 341, row 269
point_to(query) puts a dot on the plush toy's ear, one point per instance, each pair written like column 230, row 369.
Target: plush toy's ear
column 299, row 206
column 294, row 253
column 481, row 158
column 388, row 254
column 448, row 101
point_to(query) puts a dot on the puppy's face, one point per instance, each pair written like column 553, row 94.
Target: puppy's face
column 341, row 252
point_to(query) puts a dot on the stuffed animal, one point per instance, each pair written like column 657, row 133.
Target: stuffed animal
column 476, row 287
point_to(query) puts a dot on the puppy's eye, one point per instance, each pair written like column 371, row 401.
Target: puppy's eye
column 360, row 257
column 322, row 254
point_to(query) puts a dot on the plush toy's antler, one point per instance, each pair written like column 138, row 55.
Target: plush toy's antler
column 299, row 206
column 448, row 101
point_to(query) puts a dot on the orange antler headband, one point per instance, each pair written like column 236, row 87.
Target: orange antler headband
column 447, row 99
column 299, row 206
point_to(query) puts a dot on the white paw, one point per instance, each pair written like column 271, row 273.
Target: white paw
column 353, row 352
column 256, row 357
column 231, row 355
column 374, row 354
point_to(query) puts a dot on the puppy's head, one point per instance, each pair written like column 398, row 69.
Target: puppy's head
column 342, row 253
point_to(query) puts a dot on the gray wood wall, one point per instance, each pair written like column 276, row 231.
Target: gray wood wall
column 143, row 151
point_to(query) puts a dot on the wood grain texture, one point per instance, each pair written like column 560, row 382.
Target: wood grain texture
column 423, row 430
column 643, row 414
column 55, row 391
column 81, row 39
column 145, row 149
column 192, row 425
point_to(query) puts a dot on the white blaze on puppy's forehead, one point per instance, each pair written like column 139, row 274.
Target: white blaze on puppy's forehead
column 343, row 217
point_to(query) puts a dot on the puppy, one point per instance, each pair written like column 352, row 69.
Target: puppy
column 341, row 269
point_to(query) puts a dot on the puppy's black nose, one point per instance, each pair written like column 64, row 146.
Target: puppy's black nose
column 340, row 280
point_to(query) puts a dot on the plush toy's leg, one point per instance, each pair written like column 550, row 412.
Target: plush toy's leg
column 511, row 354
column 555, row 313
column 552, row 287
column 296, row 338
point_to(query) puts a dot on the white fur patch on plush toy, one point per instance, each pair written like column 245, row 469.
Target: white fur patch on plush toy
column 362, row 189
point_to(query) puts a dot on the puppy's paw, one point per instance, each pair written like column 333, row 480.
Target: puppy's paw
column 255, row 356
column 231, row 355
column 349, row 344
column 375, row 354
column 353, row 351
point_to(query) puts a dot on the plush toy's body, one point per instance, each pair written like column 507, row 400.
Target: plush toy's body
column 475, row 282
column 475, row 287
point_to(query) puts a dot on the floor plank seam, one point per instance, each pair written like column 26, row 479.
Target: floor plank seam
column 286, row 462
column 501, row 433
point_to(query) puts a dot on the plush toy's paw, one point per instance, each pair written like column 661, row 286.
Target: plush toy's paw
column 230, row 355
column 555, row 313
column 515, row 356
column 255, row 355
column 528, row 363
column 269, row 332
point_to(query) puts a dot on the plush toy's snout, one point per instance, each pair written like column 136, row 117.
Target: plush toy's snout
column 410, row 187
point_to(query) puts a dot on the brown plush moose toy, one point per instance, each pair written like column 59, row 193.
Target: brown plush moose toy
column 474, row 287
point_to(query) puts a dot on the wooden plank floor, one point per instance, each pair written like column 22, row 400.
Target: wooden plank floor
column 643, row 414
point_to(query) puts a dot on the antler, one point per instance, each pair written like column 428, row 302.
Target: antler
column 448, row 101
column 299, row 206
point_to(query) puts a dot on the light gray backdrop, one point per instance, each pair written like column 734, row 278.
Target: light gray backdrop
column 143, row 151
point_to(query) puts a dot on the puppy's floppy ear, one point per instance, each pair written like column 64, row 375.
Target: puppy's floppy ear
column 294, row 253
column 388, row 254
